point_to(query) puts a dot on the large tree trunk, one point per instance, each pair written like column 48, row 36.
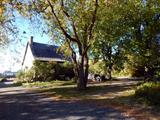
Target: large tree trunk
column 82, row 73
column 81, row 67
column 81, row 82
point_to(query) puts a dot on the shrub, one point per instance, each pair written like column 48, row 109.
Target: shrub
column 138, row 71
column 20, row 75
column 97, row 67
column 68, row 70
column 45, row 71
column 24, row 76
column 149, row 91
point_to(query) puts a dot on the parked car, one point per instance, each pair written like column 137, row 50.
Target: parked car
column 96, row 77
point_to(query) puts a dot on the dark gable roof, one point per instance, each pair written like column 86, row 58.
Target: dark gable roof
column 40, row 50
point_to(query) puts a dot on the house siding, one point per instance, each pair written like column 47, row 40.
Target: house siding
column 28, row 61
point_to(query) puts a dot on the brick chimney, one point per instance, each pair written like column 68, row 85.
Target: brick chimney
column 31, row 40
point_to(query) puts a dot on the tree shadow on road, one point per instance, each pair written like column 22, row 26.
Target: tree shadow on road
column 36, row 106
column 71, row 103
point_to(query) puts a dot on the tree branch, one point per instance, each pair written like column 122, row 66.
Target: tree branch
column 74, row 58
column 42, row 9
column 59, row 23
column 70, row 19
column 90, row 28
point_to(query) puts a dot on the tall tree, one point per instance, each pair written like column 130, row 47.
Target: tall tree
column 145, row 28
column 135, row 23
column 143, row 21
column 73, row 21
column 110, row 34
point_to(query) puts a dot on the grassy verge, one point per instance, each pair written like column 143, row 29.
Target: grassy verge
column 94, row 91
column 47, row 84
column 149, row 93
column 72, row 93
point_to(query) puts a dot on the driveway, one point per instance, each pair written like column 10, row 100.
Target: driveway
column 17, row 103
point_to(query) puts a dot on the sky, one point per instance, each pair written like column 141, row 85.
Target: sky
column 11, row 55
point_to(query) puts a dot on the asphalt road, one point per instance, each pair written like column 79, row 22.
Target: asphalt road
column 17, row 103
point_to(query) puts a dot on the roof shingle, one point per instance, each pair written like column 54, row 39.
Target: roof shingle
column 45, row 51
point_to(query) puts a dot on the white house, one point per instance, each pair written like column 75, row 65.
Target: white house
column 42, row 52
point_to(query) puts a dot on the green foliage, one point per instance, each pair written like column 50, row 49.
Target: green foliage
column 128, row 29
column 111, row 36
column 8, row 30
column 66, row 70
column 45, row 71
column 150, row 92
column 24, row 76
column 97, row 67
column 47, row 84
column 71, row 24
column 132, row 68
column 20, row 75
column 121, row 32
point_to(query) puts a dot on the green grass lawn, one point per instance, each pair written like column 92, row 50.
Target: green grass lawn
column 68, row 90
column 48, row 84
column 94, row 91
column 72, row 93
column 149, row 93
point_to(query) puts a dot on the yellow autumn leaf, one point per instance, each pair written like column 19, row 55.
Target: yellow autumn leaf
column 1, row 10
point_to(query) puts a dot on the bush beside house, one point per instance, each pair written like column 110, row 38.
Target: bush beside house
column 46, row 71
